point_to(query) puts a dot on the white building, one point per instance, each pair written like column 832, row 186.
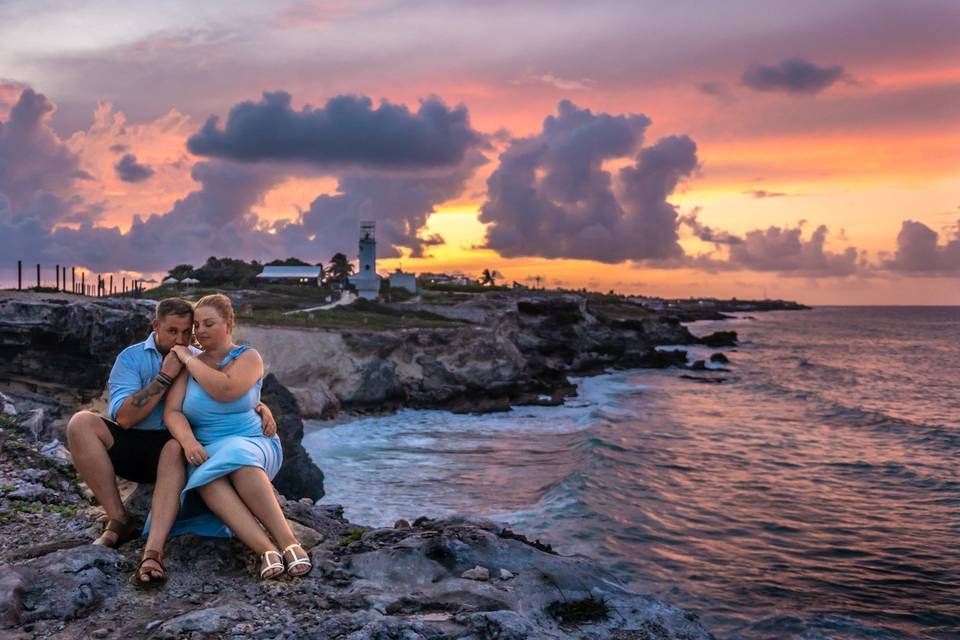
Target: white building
column 292, row 275
column 367, row 282
column 401, row 280
column 443, row 278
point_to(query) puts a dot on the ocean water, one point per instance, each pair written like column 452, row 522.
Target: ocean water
column 813, row 493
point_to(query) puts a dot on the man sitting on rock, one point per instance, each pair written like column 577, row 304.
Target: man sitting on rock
column 133, row 443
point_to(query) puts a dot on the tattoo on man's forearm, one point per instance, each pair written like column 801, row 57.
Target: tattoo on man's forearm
column 142, row 398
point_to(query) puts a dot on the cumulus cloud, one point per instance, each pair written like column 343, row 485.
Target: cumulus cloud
column 400, row 205
column 32, row 157
column 919, row 250
column 785, row 250
column 10, row 91
column 219, row 217
column 129, row 170
column 215, row 219
column 707, row 233
column 347, row 131
column 794, row 75
column 551, row 196
column 159, row 144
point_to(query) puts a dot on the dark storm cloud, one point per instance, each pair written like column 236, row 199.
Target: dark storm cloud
column 919, row 251
column 794, row 75
column 551, row 197
column 346, row 131
column 129, row 170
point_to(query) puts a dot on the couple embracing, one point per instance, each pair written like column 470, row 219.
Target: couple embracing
column 191, row 421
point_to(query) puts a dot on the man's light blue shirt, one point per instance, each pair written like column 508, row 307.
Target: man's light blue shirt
column 134, row 368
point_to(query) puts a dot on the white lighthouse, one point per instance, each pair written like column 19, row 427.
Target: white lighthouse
column 367, row 281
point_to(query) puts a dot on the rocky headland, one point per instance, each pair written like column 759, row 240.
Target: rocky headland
column 451, row 578
column 505, row 349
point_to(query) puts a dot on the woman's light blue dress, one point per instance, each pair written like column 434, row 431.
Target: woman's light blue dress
column 232, row 435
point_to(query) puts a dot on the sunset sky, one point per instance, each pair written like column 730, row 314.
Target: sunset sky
column 808, row 151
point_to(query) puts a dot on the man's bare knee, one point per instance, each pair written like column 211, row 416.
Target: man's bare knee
column 86, row 428
column 171, row 452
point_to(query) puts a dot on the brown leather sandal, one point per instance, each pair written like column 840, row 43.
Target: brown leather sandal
column 152, row 581
column 125, row 532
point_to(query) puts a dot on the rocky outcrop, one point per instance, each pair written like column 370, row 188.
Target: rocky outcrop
column 720, row 339
column 299, row 477
column 432, row 579
column 510, row 350
column 382, row 370
column 507, row 349
column 65, row 345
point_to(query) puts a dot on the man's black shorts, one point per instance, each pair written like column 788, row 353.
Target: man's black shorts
column 135, row 453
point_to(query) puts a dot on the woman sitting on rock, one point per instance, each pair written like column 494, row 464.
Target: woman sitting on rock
column 209, row 410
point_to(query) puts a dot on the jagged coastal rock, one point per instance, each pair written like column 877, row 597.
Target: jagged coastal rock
column 65, row 348
column 432, row 579
column 509, row 350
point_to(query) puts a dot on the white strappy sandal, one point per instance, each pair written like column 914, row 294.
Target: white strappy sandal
column 297, row 562
column 269, row 565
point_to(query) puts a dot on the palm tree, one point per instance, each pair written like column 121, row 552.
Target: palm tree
column 490, row 277
column 339, row 269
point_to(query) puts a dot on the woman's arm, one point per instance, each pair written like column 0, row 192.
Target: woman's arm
column 231, row 383
column 177, row 423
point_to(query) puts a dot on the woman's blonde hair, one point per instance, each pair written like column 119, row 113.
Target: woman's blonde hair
column 221, row 304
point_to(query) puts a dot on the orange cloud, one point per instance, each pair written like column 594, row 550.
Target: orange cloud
column 159, row 144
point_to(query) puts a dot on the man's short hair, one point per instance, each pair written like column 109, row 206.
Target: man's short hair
column 173, row 306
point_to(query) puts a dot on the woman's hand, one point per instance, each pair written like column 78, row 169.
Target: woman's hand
column 195, row 453
column 266, row 416
column 182, row 352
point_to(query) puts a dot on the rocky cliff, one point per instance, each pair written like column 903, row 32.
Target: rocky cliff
column 425, row 580
column 508, row 349
column 452, row 578
column 64, row 346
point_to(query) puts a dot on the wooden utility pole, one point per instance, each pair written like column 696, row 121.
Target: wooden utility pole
column 19, row 275
column 38, row 275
